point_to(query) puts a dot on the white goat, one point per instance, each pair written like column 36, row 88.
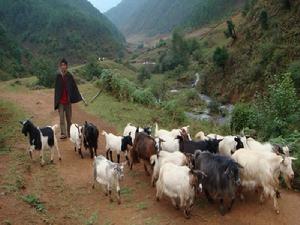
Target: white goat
column 162, row 157
column 179, row 184
column 76, row 137
column 262, row 169
column 130, row 129
column 173, row 133
column 108, row 174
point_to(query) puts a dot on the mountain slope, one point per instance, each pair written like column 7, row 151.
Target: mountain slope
column 152, row 17
column 56, row 28
column 263, row 49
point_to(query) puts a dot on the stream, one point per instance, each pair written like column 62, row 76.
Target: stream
column 222, row 118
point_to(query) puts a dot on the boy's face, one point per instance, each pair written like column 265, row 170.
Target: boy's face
column 63, row 68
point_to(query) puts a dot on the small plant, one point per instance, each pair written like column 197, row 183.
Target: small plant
column 142, row 206
column 34, row 202
column 92, row 220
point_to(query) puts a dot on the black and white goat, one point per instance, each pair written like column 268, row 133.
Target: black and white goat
column 40, row 139
column 118, row 144
column 90, row 138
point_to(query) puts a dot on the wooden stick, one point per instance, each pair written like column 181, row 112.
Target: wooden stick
column 93, row 99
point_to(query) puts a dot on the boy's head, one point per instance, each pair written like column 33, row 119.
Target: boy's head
column 63, row 65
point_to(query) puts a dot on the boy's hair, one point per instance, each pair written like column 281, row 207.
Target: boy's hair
column 63, row 60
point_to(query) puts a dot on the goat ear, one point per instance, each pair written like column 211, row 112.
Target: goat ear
column 293, row 158
column 21, row 122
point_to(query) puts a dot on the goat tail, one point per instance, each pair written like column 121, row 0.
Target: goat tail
column 54, row 128
column 104, row 133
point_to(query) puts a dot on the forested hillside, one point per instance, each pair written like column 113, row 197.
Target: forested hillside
column 52, row 29
column 267, row 43
column 162, row 16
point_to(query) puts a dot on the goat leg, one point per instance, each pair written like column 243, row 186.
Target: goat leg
column 209, row 198
column 80, row 153
column 91, row 152
column 118, row 158
column 111, row 157
column 95, row 150
column 222, row 208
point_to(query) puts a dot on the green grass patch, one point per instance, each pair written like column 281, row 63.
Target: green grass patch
column 92, row 220
column 35, row 202
column 142, row 206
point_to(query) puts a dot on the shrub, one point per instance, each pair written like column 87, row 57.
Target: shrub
column 230, row 32
column 263, row 18
column 278, row 111
column 243, row 116
column 220, row 57
column 45, row 72
column 175, row 111
column 144, row 97
column 294, row 69
column 92, row 69
column 143, row 75
column 214, row 107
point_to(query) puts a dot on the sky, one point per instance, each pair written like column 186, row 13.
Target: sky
column 104, row 5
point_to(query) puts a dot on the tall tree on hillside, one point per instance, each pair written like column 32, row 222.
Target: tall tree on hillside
column 220, row 58
column 263, row 18
column 179, row 49
column 230, row 32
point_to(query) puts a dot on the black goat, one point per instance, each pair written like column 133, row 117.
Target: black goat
column 90, row 138
column 222, row 177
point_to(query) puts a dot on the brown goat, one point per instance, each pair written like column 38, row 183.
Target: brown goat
column 144, row 147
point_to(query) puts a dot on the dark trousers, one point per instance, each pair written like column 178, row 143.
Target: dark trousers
column 65, row 111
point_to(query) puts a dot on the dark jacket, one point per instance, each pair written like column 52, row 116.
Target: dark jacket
column 73, row 92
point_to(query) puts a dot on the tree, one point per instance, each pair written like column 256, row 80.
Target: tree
column 143, row 75
column 230, row 30
column 45, row 72
column 278, row 111
column 263, row 18
column 220, row 58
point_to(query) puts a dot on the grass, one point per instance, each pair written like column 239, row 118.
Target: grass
column 92, row 220
column 142, row 206
column 119, row 113
column 35, row 202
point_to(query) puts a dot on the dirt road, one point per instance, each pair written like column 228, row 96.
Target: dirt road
column 75, row 198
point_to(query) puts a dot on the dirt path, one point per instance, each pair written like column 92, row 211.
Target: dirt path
column 138, row 199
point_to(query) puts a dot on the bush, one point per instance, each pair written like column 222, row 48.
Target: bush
column 92, row 69
column 144, row 97
column 143, row 75
column 278, row 111
column 123, row 89
column 263, row 18
column 220, row 57
column 175, row 111
column 158, row 88
column 45, row 72
column 294, row 69
column 243, row 116
column 214, row 107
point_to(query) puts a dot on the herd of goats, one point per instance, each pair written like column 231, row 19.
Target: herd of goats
column 222, row 167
